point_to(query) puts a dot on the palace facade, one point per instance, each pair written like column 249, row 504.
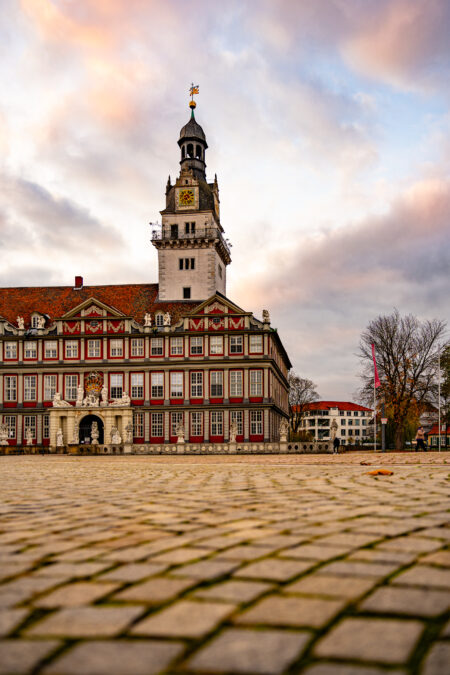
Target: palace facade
column 146, row 364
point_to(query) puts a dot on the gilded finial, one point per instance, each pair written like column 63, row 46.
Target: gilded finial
column 193, row 90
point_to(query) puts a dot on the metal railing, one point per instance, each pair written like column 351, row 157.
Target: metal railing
column 210, row 233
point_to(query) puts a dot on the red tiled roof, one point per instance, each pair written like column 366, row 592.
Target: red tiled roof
column 340, row 405
column 435, row 430
column 131, row 299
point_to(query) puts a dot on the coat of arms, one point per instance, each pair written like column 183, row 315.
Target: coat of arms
column 93, row 383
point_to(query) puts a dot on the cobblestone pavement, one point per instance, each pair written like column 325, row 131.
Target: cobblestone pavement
column 277, row 564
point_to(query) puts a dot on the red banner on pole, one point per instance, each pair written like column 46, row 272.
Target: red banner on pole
column 377, row 382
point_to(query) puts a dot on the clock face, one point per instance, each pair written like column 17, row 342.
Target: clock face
column 186, row 197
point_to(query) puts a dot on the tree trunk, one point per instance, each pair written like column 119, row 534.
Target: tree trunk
column 399, row 433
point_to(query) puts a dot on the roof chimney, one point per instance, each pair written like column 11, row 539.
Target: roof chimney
column 78, row 283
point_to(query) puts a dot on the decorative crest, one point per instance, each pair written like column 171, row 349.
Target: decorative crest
column 93, row 383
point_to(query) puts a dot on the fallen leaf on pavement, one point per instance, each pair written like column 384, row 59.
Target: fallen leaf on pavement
column 380, row 472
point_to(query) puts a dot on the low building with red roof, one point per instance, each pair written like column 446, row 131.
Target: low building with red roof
column 352, row 421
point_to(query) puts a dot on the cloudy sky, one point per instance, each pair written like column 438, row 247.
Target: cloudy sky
column 328, row 127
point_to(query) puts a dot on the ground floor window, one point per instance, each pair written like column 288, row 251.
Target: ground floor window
column 196, row 424
column 236, row 416
column 11, row 424
column 30, row 423
column 138, row 425
column 157, row 425
column 176, row 418
column 216, row 423
column 46, row 426
column 256, row 422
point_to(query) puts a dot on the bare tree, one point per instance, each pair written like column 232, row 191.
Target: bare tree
column 301, row 392
column 406, row 352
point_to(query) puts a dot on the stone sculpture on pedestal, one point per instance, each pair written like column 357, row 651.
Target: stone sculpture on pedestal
column 59, row 403
column 94, row 433
column 180, row 433
column 233, row 432
column 3, row 434
column 20, row 323
column 284, row 429
column 59, row 438
column 116, row 438
column 29, row 436
column 129, row 433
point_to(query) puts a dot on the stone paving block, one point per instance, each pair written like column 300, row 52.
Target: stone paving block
column 68, row 570
column 155, row 591
column 18, row 657
column 234, row 591
column 424, row 575
column 274, row 569
column 414, row 544
column 10, row 619
column 13, row 569
column 206, row 570
column 291, row 611
column 265, row 652
column 314, row 552
column 377, row 640
column 185, row 618
column 437, row 532
column 116, row 657
column 347, row 669
column 130, row 572
column 437, row 661
column 20, row 590
column 331, row 586
column 405, row 600
column 177, row 556
column 245, row 553
column 77, row 622
column 79, row 554
column 359, row 569
column 377, row 555
column 76, row 594
column 347, row 539
column 440, row 558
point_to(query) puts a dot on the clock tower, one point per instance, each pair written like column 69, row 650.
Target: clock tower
column 192, row 251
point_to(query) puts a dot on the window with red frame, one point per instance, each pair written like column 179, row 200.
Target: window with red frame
column 10, row 387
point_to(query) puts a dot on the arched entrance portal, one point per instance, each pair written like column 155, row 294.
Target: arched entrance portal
column 85, row 429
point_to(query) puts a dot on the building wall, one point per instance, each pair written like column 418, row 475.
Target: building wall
column 203, row 280
column 261, row 404
column 351, row 424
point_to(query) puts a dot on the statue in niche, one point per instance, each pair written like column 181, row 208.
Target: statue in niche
column 3, row 434
column 59, row 403
column 80, row 396
column 116, row 439
column 29, row 436
column 94, row 433
column 180, row 433
column 166, row 319
column 334, row 428
column 59, row 438
column 233, row 432
column 20, row 323
column 266, row 316
column 147, row 320
column 284, row 430
column 129, row 433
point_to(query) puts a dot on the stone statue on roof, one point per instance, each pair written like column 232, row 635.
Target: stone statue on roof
column 266, row 316
column 147, row 320
column 41, row 322
column 167, row 319
column 20, row 323
column 58, row 402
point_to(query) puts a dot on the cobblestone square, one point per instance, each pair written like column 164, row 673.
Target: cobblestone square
column 225, row 564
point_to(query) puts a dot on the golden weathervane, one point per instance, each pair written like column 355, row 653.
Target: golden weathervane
column 193, row 90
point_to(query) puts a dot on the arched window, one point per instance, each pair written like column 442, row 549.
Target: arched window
column 183, row 152
column 198, row 151
column 190, row 150
column 159, row 319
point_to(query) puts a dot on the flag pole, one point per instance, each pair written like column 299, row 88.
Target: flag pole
column 374, row 415
column 439, row 398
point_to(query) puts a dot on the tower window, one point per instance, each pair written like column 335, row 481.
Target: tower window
column 174, row 231
column 186, row 263
column 180, row 263
column 189, row 228
column 186, row 293
column 198, row 151
column 183, row 152
column 190, row 150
